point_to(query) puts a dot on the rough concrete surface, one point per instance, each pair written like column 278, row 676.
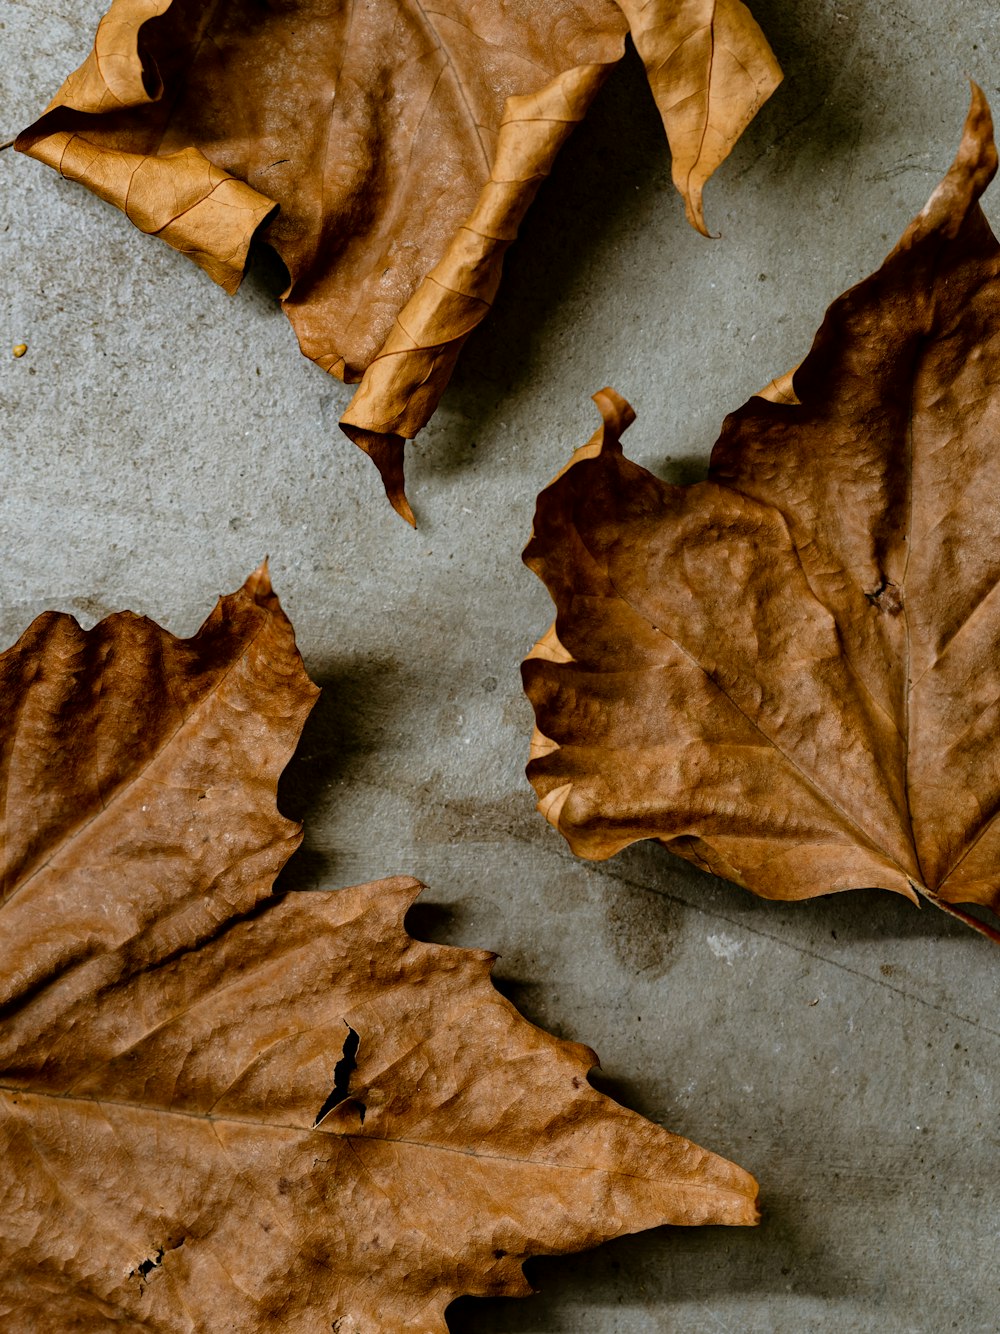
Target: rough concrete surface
column 160, row 438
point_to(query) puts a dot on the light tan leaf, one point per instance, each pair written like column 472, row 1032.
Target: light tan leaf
column 224, row 1109
column 790, row 673
column 710, row 74
column 388, row 151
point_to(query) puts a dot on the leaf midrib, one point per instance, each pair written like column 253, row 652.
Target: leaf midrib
column 425, row 17
column 264, row 1126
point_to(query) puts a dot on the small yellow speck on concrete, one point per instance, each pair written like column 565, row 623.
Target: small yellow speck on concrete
column 20, row 349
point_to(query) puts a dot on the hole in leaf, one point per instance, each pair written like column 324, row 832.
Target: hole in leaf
column 886, row 597
column 147, row 1265
column 154, row 1261
column 343, row 1070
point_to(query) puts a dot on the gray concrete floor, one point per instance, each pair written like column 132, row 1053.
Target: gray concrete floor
column 160, row 438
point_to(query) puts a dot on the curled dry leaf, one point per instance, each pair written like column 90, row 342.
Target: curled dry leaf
column 388, row 152
column 226, row 1109
column 790, row 673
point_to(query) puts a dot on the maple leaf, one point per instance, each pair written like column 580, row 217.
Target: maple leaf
column 403, row 144
column 227, row 1109
column 790, row 673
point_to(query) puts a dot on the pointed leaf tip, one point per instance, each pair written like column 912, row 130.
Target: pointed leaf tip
column 718, row 59
column 974, row 167
column 694, row 211
column 386, row 451
column 258, row 584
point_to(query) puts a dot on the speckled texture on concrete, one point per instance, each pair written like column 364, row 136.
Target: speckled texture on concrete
column 159, row 438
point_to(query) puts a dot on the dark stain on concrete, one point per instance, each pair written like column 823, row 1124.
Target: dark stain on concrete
column 643, row 928
column 474, row 820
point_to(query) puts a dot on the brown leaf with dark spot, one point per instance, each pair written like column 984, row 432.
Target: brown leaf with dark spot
column 388, row 151
column 790, row 673
column 227, row 1109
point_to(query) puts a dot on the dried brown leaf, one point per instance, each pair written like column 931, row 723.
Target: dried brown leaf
column 402, row 145
column 790, row 673
column 225, row 1109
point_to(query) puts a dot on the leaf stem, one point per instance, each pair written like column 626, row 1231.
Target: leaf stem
column 984, row 928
